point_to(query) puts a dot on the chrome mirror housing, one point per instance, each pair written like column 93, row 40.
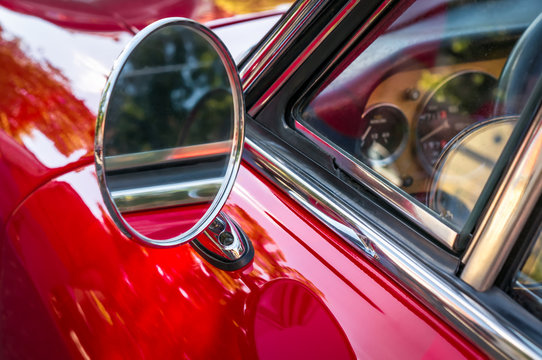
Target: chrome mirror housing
column 170, row 133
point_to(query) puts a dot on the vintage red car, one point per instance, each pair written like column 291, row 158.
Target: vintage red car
column 367, row 185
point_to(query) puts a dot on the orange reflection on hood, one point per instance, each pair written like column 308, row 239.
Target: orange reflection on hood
column 36, row 100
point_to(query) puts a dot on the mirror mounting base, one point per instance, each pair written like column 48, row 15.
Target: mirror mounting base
column 224, row 245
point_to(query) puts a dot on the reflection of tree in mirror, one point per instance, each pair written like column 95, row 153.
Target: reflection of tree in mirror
column 172, row 91
column 205, row 122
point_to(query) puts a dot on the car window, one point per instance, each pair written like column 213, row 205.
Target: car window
column 429, row 105
column 527, row 284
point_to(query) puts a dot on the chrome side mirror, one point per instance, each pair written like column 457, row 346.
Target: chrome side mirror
column 170, row 133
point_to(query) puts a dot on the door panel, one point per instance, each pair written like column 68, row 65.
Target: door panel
column 306, row 294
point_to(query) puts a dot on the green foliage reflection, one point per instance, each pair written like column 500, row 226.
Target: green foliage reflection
column 173, row 91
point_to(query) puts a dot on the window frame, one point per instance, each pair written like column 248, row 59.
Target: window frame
column 485, row 235
column 456, row 240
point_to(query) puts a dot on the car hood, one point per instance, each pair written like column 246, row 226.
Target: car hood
column 115, row 15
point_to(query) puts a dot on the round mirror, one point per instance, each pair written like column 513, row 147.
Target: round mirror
column 169, row 133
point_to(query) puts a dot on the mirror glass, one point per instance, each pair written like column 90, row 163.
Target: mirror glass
column 169, row 134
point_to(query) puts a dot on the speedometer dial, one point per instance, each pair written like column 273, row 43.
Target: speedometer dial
column 460, row 101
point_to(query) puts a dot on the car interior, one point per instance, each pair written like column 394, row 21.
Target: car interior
column 429, row 104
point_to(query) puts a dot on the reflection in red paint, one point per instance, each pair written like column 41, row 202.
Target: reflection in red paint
column 110, row 297
column 37, row 102
column 292, row 323
column 114, row 15
column 164, row 224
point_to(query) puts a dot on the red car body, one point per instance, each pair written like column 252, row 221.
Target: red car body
column 73, row 286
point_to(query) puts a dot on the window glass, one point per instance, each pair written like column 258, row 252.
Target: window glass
column 527, row 285
column 430, row 103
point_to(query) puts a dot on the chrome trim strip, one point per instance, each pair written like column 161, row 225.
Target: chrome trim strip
column 264, row 99
column 345, row 225
column 308, row 196
column 161, row 157
column 273, row 46
column 161, row 196
column 436, row 290
column 507, row 211
column 404, row 203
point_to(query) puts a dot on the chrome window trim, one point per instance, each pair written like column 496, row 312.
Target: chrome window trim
column 507, row 211
column 272, row 48
column 249, row 73
column 437, row 290
column 404, row 203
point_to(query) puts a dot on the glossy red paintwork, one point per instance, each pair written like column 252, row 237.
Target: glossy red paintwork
column 50, row 96
column 103, row 15
column 163, row 224
column 117, row 15
column 71, row 285
column 306, row 294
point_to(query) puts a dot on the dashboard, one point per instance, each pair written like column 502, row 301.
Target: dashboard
column 411, row 101
column 408, row 122
column 430, row 107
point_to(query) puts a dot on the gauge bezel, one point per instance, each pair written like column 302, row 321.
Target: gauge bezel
column 402, row 146
column 423, row 104
column 450, row 146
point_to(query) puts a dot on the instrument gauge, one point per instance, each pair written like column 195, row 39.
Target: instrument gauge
column 465, row 166
column 460, row 101
column 384, row 134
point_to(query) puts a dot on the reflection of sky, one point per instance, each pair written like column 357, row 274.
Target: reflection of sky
column 85, row 59
column 237, row 45
column 84, row 182
column 46, row 151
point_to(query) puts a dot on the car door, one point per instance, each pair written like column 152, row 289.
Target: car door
column 357, row 101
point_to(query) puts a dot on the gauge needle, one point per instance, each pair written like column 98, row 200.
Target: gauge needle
column 445, row 125
column 365, row 133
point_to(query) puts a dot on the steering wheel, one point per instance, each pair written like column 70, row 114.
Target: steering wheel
column 521, row 72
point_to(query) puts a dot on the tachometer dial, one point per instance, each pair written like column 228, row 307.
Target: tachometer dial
column 384, row 136
column 463, row 99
